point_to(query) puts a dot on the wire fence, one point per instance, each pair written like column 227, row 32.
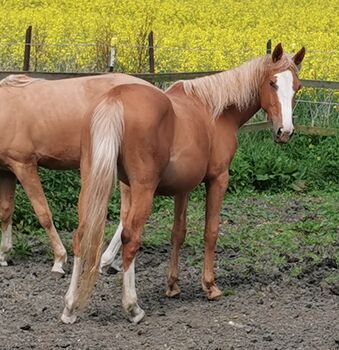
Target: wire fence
column 39, row 55
column 125, row 44
column 317, row 105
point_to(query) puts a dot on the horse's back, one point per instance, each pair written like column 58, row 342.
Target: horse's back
column 43, row 118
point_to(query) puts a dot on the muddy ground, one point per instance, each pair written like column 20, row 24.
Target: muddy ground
column 272, row 312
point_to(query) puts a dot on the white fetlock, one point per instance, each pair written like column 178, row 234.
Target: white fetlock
column 67, row 317
column 3, row 256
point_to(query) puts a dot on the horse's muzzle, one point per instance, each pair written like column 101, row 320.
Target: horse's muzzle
column 283, row 136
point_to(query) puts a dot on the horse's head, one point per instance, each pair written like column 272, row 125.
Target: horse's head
column 278, row 90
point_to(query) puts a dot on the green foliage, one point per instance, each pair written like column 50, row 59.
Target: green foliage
column 305, row 163
column 62, row 189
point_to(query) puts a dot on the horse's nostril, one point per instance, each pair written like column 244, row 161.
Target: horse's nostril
column 279, row 132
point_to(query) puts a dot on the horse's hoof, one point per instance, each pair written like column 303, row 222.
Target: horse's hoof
column 3, row 263
column 116, row 266
column 173, row 292
column 67, row 317
column 214, row 293
column 57, row 268
column 137, row 318
column 136, row 314
column 113, row 267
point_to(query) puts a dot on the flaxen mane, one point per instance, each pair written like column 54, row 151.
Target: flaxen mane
column 238, row 86
column 18, row 80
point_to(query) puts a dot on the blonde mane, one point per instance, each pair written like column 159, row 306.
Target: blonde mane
column 18, row 80
column 238, row 86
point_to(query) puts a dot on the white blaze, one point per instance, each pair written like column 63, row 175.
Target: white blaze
column 285, row 95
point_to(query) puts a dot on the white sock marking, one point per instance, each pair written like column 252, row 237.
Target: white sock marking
column 6, row 243
column 70, row 295
column 113, row 248
column 129, row 293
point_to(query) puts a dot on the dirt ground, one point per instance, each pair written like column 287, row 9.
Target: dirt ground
column 262, row 313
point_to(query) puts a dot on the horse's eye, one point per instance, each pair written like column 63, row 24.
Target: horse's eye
column 274, row 85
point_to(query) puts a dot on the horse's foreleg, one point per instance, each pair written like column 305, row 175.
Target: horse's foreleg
column 141, row 204
column 108, row 258
column 7, row 192
column 178, row 238
column 215, row 193
column 28, row 176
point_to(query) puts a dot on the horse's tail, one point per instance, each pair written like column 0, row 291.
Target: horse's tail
column 106, row 129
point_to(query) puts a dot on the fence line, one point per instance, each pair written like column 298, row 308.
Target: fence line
column 160, row 77
column 170, row 77
column 148, row 46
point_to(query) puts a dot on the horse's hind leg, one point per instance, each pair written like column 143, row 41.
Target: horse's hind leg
column 28, row 176
column 108, row 258
column 141, row 204
column 7, row 192
column 178, row 238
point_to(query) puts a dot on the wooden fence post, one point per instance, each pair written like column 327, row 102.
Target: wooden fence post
column 112, row 60
column 269, row 47
column 27, row 52
column 151, row 52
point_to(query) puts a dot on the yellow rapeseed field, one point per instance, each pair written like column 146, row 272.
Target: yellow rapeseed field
column 192, row 35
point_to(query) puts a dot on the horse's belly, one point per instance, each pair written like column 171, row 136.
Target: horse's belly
column 60, row 158
column 57, row 164
column 180, row 177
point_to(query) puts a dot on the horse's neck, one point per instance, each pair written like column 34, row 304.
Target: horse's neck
column 249, row 113
column 238, row 117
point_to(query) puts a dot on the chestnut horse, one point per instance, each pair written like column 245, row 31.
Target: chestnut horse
column 167, row 144
column 40, row 122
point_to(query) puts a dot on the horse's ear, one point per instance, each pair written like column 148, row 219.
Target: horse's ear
column 299, row 56
column 277, row 53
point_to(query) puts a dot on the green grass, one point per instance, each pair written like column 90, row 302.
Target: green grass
column 260, row 233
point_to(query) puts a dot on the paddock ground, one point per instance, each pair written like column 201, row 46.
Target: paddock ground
column 272, row 308
column 281, row 314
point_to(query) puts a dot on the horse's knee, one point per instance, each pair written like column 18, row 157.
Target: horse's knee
column 45, row 220
column 211, row 238
column 178, row 236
